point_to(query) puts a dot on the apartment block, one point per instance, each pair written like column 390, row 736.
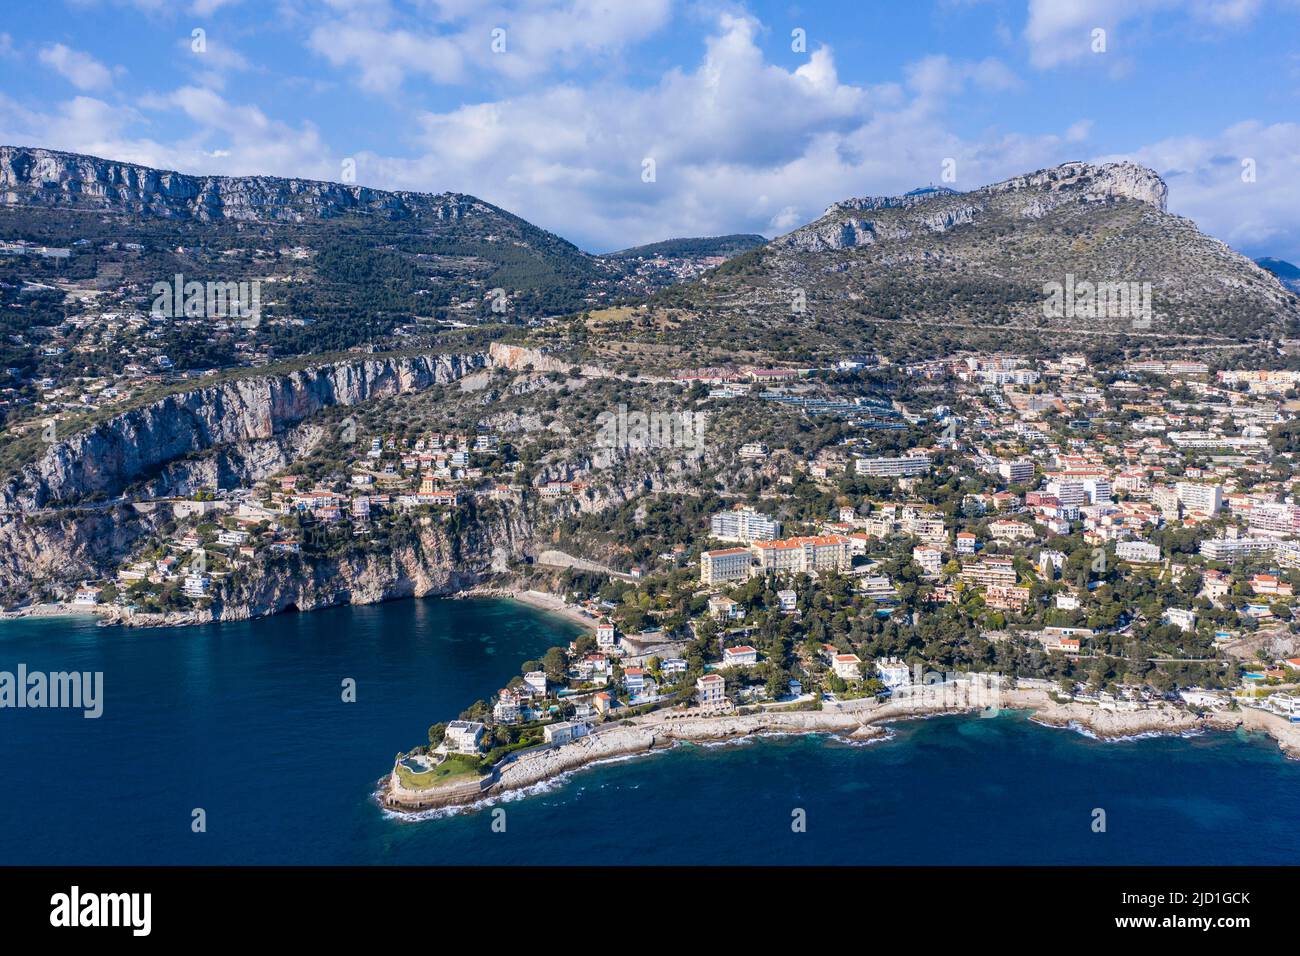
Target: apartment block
column 728, row 564
column 907, row 466
column 801, row 554
column 743, row 524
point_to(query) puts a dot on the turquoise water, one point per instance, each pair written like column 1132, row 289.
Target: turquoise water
column 246, row 722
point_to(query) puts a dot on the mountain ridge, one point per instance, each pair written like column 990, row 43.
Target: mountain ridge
column 54, row 178
column 1068, row 183
column 729, row 244
column 388, row 260
column 352, row 263
column 983, row 260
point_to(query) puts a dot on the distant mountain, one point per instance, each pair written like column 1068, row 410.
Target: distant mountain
column 725, row 246
column 937, row 269
column 1287, row 274
column 342, row 264
column 47, row 179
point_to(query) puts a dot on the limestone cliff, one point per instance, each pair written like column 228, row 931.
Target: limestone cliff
column 933, row 211
column 435, row 559
column 234, row 432
column 53, row 179
column 118, row 452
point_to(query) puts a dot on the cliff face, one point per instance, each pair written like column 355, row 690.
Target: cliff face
column 1030, row 196
column 518, row 358
column 1084, row 182
column 70, row 546
column 435, row 560
column 232, row 433
column 249, row 412
column 49, row 178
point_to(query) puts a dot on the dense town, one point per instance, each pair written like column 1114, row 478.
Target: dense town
column 1129, row 541
column 1123, row 536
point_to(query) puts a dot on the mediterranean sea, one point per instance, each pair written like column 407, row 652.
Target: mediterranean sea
column 246, row 722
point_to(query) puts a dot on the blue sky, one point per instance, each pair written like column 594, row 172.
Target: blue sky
column 747, row 131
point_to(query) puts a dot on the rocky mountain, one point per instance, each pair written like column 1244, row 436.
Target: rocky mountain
column 340, row 264
column 936, row 265
column 703, row 247
column 44, row 178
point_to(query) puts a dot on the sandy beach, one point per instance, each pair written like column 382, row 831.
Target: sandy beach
column 552, row 604
column 53, row 610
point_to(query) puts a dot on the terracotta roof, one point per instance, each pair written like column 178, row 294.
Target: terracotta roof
column 817, row 541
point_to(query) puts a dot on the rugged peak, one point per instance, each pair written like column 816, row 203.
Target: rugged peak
column 931, row 210
column 917, row 197
column 31, row 176
column 1091, row 182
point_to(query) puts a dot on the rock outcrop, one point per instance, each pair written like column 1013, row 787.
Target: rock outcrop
column 519, row 358
column 127, row 448
column 69, row 546
column 63, row 520
column 49, row 178
column 436, row 560
column 1030, row 196
column 1085, row 182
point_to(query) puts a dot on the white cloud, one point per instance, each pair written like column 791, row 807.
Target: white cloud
column 1225, row 12
column 739, row 144
column 205, row 8
column 936, row 77
column 387, row 49
column 83, row 124
column 198, row 8
column 80, row 69
column 224, row 138
column 244, row 140
column 786, row 219
column 1060, row 31
column 1206, row 184
column 1078, row 132
column 385, row 59
column 215, row 63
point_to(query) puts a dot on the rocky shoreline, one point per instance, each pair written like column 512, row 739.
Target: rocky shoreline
column 854, row 721
column 51, row 610
column 113, row 615
column 421, row 568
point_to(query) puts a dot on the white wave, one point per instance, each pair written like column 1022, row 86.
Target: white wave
column 1083, row 731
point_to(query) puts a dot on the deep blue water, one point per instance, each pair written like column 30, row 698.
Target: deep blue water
column 246, row 722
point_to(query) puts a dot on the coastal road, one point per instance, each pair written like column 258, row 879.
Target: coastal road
column 105, row 505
